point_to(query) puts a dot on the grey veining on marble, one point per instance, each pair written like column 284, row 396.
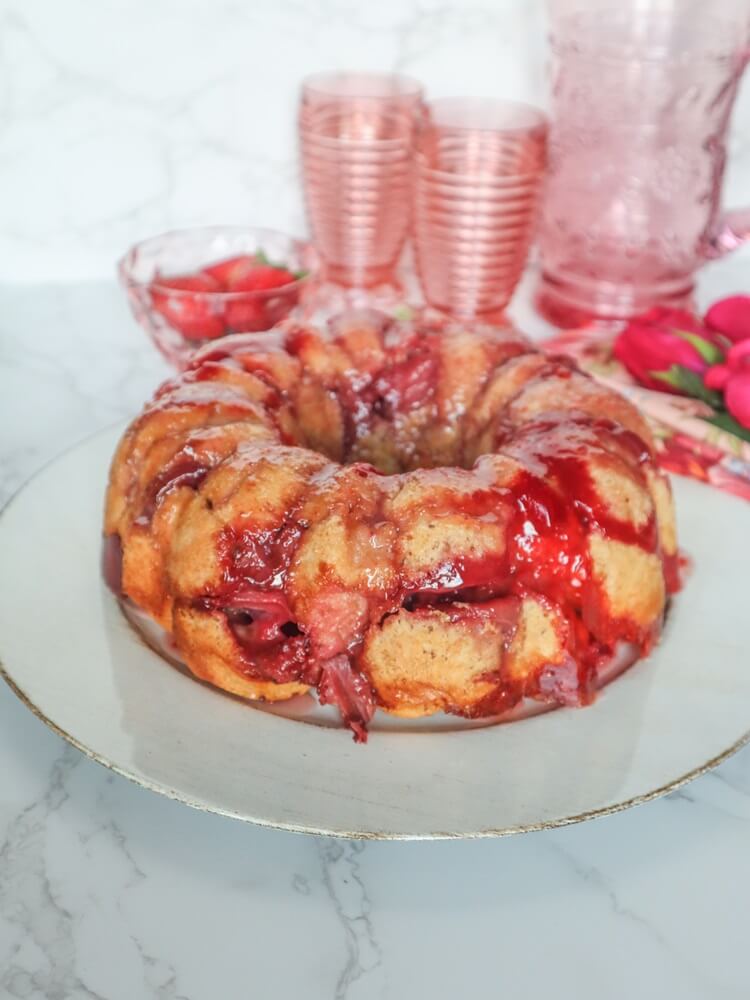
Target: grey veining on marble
column 107, row 890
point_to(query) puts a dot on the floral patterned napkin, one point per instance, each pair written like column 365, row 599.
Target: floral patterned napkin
column 690, row 433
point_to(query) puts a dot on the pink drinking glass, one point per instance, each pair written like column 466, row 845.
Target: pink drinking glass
column 479, row 167
column 641, row 100
column 357, row 134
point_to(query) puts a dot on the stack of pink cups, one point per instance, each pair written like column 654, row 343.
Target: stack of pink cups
column 479, row 167
column 461, row 174
column 357, row 136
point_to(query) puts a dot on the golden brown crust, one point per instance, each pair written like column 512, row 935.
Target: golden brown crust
column 451, row 657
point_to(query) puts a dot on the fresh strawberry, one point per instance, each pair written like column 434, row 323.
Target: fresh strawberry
column 236, row 274
column 231, row 269
column 247, row 315
column 260, row 278
column 255, row 312
column 194, row 316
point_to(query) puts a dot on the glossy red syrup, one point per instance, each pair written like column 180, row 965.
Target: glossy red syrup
column 406, row 382
column 112, row 563
column 257, row 557
column 186, row 469
column 271, row 646
column 254, row 565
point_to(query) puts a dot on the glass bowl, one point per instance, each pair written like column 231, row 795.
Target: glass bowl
column 189, row 286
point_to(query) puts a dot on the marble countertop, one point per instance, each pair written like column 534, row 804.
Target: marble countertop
column 109, row 891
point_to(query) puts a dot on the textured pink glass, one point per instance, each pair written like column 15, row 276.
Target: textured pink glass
column 479, row 166
column 641, row 99
column 357, row 142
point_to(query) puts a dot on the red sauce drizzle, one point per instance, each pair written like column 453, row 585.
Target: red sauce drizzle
column 556, row 508
column 257, row 557
column 112, row 563
column 185, row 469
column 676, row 568
column 254, row 565
column 407, row 382
column 273, row 648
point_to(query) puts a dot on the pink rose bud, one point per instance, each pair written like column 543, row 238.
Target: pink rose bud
column 738, row 357
column 716, row 377
column 654, row 343
column 730, row 317
column 737, row 397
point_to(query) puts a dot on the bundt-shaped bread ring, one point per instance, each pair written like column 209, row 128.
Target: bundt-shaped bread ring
column 395, row 515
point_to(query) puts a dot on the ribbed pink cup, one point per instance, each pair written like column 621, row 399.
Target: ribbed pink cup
column 479, row 166
column 357, row 134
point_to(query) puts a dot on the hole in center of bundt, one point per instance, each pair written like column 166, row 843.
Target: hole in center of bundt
column 388, row 414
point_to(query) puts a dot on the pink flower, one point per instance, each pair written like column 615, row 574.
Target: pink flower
column 671, row 350
column 737, row 396
column 662, row 345
column 716, row 377
column 730, row 317
column 733, row 379
column 738, row 357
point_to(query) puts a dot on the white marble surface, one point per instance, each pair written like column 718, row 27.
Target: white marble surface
column 122, row 118
column 108, row 891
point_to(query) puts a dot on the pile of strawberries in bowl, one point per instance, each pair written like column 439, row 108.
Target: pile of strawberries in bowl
column 190, row 286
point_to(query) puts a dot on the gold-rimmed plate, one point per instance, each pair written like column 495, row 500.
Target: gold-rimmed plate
column 71, row 656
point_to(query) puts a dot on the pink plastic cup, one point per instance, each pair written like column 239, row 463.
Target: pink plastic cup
column 357, row 133
column 479, row 166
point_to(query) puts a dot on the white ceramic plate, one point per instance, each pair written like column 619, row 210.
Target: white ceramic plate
column 70, row 655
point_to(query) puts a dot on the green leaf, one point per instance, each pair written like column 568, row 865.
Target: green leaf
column 262, row 258
column 671, row 377
column 300, row 274
column 689, row 383
column 709, row 352
column 726, row 422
